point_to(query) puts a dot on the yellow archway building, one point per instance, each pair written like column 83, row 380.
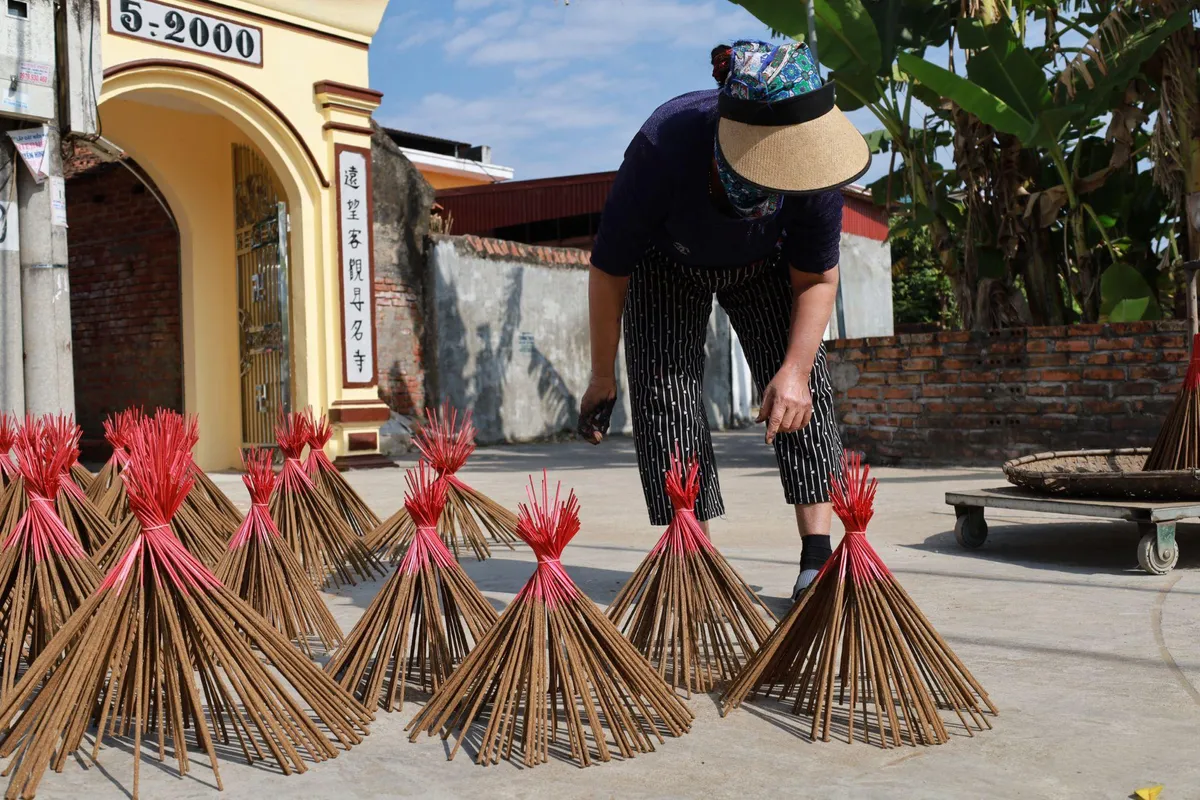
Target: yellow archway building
column 253, row 121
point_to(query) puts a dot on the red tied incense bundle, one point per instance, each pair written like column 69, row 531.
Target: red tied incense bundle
column 1178, row 444
column 206, row 505
column 325, row 545
column 163, row 650
column 857, row 640
column 44, row 573
column 447, row 445
column 686, row 608
column 84, row 522
column 330, row 483
column 8, row 468
column 195, row 523
column 261, row 569
column 8, row 436
column 80, row 475
column 553, row 662
column 107, row 492
column 424, row 621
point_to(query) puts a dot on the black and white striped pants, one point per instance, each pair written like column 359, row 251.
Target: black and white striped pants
column 666, row 320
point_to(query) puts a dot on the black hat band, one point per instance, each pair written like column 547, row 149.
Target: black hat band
column 792, row 111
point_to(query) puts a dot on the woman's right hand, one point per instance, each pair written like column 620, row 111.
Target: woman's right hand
column 595, row 410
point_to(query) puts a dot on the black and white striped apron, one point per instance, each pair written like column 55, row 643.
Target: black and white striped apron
column 665, row 323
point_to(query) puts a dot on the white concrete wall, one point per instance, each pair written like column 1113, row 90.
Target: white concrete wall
column 866, row 270
column 508, row 339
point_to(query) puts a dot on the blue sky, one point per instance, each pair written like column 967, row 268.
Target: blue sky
column 555, row 89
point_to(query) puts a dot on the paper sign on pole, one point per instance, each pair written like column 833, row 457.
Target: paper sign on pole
column 58, row 201
column 31, row 144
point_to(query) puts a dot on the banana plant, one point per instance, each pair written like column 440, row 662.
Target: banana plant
column 1008, row 89
column 857, row 40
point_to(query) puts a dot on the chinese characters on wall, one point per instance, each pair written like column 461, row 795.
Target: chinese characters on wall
column 357, row 311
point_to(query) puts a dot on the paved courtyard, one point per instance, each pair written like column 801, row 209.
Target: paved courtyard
column 1093, row 664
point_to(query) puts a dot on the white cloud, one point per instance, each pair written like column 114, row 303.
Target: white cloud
column 594, row 29
column 411, row 29
column 559, row 89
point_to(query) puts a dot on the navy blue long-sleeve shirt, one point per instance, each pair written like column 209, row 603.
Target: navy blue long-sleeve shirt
column 661, row 199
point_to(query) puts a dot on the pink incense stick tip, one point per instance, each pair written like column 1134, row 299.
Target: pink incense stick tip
column 444, row 443
column 291, row 432
column 259, row 474
column 119, row 426
column 160, row 474
column 683, row 484
column 426, row 495
column 853, row 493
column 45, row 450
column 547, row 524
column 319, row 430
column 8, row 432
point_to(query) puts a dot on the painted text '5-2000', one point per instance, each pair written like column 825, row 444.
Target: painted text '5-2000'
column 178, row 27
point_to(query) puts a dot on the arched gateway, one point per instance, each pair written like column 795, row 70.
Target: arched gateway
column 250, row 124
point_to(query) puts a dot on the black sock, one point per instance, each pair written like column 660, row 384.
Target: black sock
column 816, row 551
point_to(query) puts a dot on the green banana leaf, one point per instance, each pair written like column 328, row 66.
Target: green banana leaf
column 970, row 96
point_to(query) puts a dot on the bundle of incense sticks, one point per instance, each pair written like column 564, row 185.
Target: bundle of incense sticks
column 198, row 530
column 330, row 483
column 261, row 569
column 8, row 436
column 107, row 492
column 85, row 523
column 206, row 505
column 553, row 661
column 44, row 573
column 214, row 498
column 9, row 474
column 1178, row 443
column 391, row 538
column 447, row 445
column 423, row 622
column 685, row 607
column 79, row 473
column 162, row 648
column 328, row 549
column 856, row 640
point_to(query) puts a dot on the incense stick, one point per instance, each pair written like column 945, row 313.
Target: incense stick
column 553, row 660
column 423, row 622
column 857, row 641
column 686, row 608
column 261, row 569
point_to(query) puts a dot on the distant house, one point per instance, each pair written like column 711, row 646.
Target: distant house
column 448, row 164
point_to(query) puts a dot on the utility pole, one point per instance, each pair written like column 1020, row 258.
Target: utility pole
column 45, row 287
column 12, row 348
column 50, row 75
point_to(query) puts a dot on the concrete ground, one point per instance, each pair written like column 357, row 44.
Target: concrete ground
column 1093, row 664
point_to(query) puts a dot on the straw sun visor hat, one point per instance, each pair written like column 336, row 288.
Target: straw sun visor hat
column 780, row 129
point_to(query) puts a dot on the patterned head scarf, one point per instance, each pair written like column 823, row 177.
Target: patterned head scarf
column 763, row 72
column 749, row 201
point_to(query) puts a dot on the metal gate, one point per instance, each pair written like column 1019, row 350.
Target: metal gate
column 262, row 267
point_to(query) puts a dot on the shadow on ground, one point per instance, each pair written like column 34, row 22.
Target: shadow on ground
column 507, row 576
column 1079, row 548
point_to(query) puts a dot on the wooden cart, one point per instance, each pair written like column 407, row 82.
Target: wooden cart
column 1157, row 552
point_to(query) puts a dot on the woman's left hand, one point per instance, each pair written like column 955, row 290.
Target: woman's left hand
column 787, row 402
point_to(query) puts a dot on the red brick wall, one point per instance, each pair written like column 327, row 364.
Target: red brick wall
column 398, row 316
column 125, row 298
column 978, row 398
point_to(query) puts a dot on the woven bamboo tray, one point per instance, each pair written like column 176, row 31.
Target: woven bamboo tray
column 1110, row 474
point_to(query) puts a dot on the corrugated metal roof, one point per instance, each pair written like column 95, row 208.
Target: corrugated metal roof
column 482, row 209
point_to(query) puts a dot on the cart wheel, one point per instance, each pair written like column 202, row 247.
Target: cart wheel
column 971, row 530
column 1152, row 559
